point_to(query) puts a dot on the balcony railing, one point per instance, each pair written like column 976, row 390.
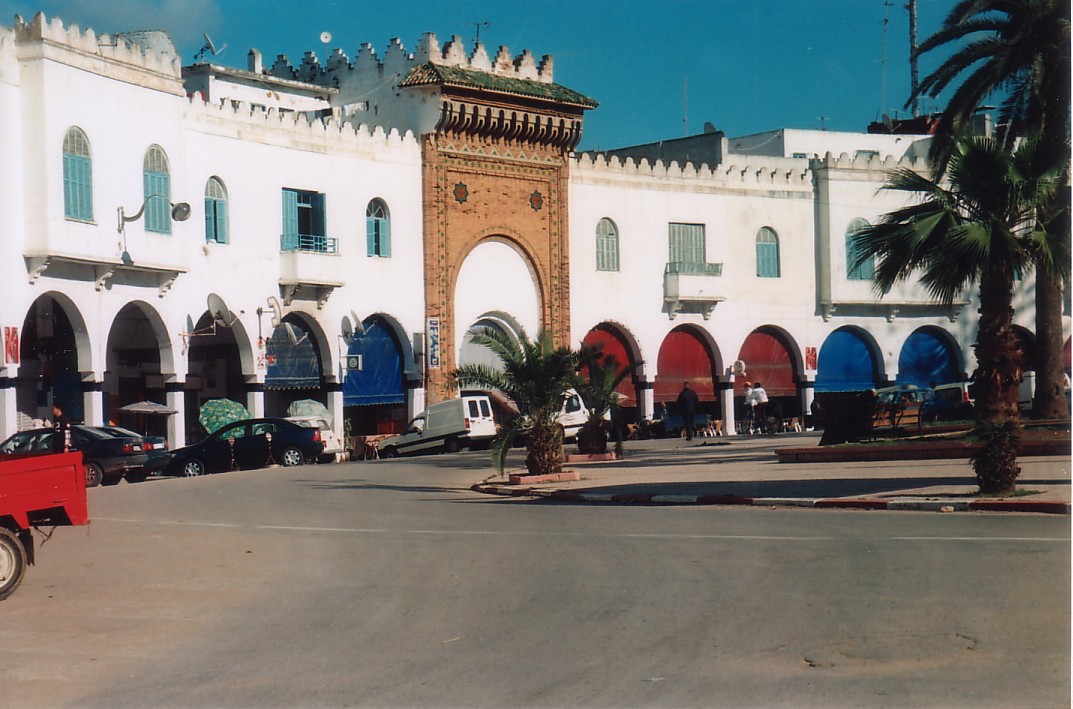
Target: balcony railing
column 688, row 287
column 309, row 243
column 690, row 268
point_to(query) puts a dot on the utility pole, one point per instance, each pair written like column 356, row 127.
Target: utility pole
column 914, row 76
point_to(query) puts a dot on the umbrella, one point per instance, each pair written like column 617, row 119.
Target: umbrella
column 309, row 407
column 217, row 413
column 148, row 407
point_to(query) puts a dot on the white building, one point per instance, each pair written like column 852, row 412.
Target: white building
column 339, row 228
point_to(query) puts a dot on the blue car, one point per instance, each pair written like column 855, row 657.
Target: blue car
column 248, row 444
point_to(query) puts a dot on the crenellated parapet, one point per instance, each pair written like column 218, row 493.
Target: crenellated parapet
column 872, row 163
column 397, row 61
column 298, row 129
column 772, row 173
column 152, row 52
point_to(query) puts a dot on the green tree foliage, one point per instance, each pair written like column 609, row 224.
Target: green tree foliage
column 535, row 376
column 978, row 227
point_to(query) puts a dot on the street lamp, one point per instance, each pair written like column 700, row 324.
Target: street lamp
column 180, row 212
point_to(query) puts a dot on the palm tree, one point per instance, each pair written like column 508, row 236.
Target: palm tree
column 979, row 229
column 535, row 376
column 601, row 375
column 1019, row 49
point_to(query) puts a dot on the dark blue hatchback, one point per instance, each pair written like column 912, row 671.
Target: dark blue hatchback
column 248, row 444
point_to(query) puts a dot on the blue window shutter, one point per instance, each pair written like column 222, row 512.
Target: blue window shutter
column 370, row 236
column 290, row 220
column 385, row 238
column 767, row 260
column 158, row 206
column 210, row 221
column 77, row 187
column 221, row 222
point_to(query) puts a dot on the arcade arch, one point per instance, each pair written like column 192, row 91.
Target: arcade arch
column 687, row 354
column 54, row 351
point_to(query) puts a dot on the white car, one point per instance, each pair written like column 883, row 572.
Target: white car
column 333, row 447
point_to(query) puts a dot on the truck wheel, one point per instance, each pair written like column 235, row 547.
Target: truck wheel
column 291, row 457
column 451, row 445
column 94, row 474
column 389, row 452
column 193, row 468
column 12, row 562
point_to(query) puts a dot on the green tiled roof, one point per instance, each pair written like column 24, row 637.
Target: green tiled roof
column 425, row 74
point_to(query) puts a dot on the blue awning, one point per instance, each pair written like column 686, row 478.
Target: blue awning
column 845, row 364
column 925, row 359
column 292, row 361
column 379, row 380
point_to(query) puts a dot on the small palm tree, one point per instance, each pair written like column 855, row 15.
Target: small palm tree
column 601, row 376
column 535, row 376
column 979, row 229
column 1018, row 50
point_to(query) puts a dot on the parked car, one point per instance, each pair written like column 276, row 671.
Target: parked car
column 333, row 447
column 951, row 402
column 108, row 453
column 445, row 426
column 245, row 444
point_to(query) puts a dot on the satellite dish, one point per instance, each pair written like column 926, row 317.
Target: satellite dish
column 218, row 310
column 709, row 128
column 347, row 329
column 359, row 326
column 209, row 47
column 325, row 37
column 180, row 212
column 293, row 332
column 189, row 324
column 888, row 123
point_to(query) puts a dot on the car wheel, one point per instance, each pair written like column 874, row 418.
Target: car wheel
column 389, row 452
column 193, row 468
column 12, row 562
column 451, row 445
column 94, row 474
column 291, row 457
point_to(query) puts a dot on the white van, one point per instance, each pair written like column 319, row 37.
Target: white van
column 445, row 426
column 574, row 414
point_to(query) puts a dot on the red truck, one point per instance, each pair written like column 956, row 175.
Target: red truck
column 36, row 490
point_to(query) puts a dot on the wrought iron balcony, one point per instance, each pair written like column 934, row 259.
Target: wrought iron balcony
column 309, row 243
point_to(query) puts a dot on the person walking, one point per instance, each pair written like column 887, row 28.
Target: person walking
column 61, row 440
column 687, row 407
column 749, row 420
column 759, row 397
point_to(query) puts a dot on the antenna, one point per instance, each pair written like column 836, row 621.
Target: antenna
column 685, row 106
column 478, row 25
column 209, row 47
column 886, row 23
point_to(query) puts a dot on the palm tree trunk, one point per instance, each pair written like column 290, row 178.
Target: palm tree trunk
column 1050, row 401
column 544, row 450
column 997, row 380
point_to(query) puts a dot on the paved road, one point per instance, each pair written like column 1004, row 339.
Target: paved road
column 391, row 584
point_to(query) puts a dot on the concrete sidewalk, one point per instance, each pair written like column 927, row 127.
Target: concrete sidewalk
column 741, row 470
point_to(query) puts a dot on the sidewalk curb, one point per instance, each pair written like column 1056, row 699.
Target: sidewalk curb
column 940, row 505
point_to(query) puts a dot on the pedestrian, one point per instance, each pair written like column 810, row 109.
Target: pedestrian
column 687, row 407
column 61, row 439
column 749, row 420
column 759, row 405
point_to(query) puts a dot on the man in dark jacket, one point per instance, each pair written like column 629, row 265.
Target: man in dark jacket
column 687, row 407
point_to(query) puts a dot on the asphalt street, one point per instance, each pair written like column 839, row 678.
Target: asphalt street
column 392, row 584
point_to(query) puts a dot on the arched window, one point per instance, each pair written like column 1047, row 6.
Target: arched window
column 156, row 182
column 77, row 176
column 215, row 212
column 606, row 246
column 865, row 270
column 767, row 253
column 378, row 229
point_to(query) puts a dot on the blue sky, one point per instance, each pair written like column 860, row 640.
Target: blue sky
column 658, row 69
